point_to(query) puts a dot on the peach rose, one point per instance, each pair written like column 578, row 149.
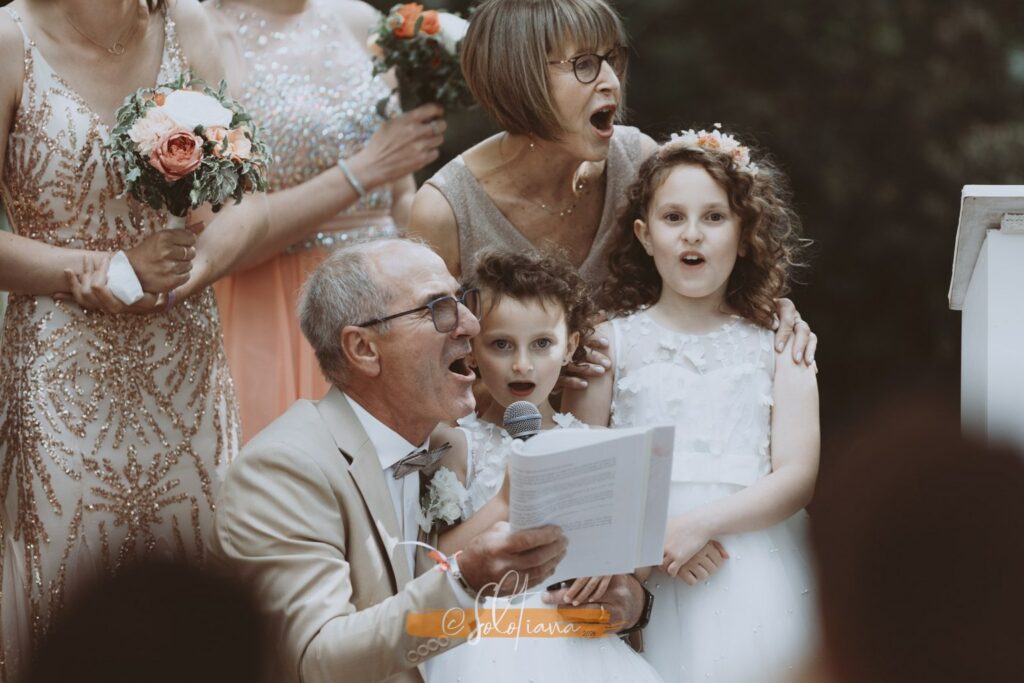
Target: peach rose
column 431, row 24
column 178, row 154
column 709, row 141
column 217, row 135
column 408, row 14
column 239, row 144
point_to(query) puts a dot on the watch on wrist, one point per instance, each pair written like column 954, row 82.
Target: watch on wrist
column 645, row 615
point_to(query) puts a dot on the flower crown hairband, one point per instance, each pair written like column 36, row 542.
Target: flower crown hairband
column 716, row 141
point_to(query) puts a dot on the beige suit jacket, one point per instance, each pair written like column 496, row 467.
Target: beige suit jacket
column 305, row 517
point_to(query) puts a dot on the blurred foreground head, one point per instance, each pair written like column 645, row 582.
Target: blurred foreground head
column 157, row 623
column 919, row 537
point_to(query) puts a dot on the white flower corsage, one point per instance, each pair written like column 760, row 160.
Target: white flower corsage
column 442, row 501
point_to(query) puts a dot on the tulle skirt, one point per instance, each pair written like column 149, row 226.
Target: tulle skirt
column 541, row 660
column 755, row 619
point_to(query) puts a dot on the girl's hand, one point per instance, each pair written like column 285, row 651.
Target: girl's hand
column 706, row 562
column 684, row 538
column 163, row 260
column 89, row 290
column 587, row 589
column 789, row 324
column 400, row 146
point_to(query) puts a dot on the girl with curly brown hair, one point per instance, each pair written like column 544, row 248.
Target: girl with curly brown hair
column 708, row 241
column 535, row 308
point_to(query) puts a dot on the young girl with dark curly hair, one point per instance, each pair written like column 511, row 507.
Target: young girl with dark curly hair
column 707, row 243
column 535, row 308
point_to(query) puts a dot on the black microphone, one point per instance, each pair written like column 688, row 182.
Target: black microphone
column 522, row 420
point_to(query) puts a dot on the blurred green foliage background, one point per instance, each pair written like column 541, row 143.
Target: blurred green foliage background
column 880, row 111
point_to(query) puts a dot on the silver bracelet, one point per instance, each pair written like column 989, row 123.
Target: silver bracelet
column 351, row 178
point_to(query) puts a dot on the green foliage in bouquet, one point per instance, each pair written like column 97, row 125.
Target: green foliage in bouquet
column 227, row 167
column 423, row 49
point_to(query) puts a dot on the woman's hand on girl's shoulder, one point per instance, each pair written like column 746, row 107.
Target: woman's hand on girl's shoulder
column 789, row 325
column 596, row 361
column 590, row 398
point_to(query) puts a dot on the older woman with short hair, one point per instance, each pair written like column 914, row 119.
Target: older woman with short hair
column 552, row 74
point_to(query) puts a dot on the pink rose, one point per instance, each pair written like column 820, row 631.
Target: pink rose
column 178, row 154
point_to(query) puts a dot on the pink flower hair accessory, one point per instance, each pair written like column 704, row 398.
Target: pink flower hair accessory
column 716, row 141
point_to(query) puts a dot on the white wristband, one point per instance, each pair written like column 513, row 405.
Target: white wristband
column 122, row 280
column 351, row 178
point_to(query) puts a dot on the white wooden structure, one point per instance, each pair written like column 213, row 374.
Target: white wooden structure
column 988, row 286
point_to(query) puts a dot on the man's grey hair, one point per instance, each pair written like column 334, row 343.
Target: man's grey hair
column 342, row 291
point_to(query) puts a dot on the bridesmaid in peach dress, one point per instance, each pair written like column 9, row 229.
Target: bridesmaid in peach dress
column 340, row 174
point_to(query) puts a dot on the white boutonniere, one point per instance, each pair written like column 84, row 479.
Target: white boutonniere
column 442, row 501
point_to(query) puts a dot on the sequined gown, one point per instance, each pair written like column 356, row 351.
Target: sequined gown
column 114, row 429
column 754, row 619
column 309, row 84
column 539, row 660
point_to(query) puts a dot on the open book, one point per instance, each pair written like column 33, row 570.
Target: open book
column 606, row 488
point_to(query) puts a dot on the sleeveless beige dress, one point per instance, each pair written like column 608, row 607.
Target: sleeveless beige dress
column 114, row 429
column 482, row 225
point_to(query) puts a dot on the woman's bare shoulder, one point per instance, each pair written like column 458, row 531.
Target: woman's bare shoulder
column 360, row 17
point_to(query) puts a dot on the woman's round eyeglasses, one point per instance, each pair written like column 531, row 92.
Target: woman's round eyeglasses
column 587, row 67
column 444, row 311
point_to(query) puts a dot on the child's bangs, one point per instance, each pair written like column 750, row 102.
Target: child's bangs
column 584, row 26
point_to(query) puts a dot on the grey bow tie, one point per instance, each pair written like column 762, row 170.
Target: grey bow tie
column 419, row 460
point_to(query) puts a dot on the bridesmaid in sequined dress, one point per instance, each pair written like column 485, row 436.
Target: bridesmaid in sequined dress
column 115, row 423
column 302, row 69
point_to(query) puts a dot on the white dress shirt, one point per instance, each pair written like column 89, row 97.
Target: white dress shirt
column 405, row 492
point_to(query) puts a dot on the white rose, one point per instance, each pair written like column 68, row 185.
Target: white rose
column 147, row 132
column 453, row 29
column 189, row 109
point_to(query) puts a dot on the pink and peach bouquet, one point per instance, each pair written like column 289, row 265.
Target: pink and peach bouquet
column 422, row 46
column 183, row 144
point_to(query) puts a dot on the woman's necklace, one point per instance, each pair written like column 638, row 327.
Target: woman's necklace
column 579, row 187
column 579, row 190
column 118, row 48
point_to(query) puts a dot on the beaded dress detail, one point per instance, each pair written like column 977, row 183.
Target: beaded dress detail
column 308, row 82
column 536, row 659
column 309, row 85
column 754, row 619
column 114, row 429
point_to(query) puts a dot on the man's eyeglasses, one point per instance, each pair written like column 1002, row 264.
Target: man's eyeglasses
column 444, row 311
column 587, row 67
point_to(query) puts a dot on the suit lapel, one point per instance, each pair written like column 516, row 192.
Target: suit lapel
column 366, row 471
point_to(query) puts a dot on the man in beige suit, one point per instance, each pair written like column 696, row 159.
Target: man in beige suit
column 312, row 513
